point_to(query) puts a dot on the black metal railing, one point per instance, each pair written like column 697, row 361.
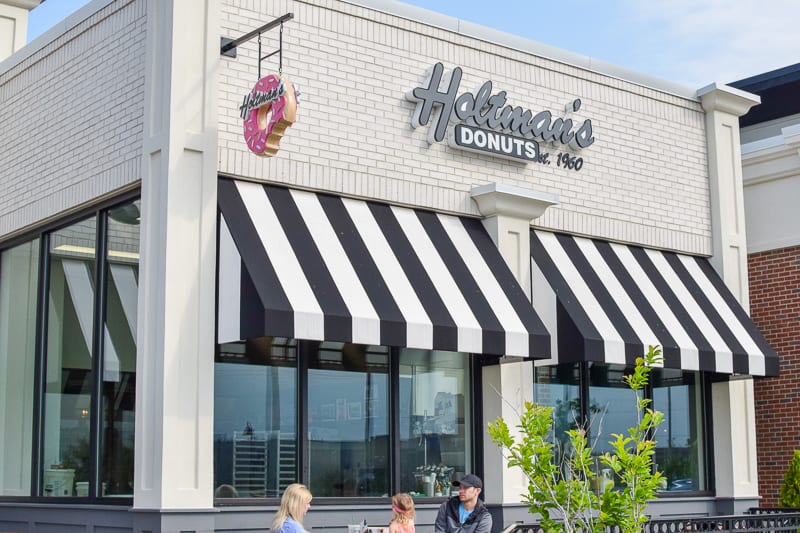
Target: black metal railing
column 758, row 520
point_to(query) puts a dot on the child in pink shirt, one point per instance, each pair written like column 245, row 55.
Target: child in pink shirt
column 402, row 514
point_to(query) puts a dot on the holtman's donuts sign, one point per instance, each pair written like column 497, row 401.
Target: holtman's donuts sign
column 267, row 111
column 486, row 124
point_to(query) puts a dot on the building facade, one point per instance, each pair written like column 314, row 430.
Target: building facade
column 771, row 170
column 452, row 222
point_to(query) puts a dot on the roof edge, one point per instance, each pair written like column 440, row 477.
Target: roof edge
column 50, row 35
column 523, row 44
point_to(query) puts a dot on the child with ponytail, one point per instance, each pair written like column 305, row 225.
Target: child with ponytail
column 402, row 514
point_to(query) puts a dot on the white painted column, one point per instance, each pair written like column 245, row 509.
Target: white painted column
column 724, row 105
column 508, row 212
column 175, row 340
column 506, row 388
column 733, row 403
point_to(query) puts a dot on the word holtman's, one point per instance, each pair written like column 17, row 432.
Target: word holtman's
column 485, row 109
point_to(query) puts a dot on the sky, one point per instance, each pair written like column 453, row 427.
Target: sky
column 691, row 42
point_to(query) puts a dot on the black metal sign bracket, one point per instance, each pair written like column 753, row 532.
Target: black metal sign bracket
column 228, row 46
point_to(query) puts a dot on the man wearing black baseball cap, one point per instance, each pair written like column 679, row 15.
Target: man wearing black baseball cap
column 464, row 513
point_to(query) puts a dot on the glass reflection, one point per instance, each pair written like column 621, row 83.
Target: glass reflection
column 19, row 271
column 119, row 352
column 680, row 446
column 68, row 370
column 612, row 405
column 255, row 412
column 679, row 439
column 348, row 419
column 435, row 420
column 559, row 387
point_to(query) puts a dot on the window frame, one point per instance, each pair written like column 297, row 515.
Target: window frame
column 474, row 366
column 705, row 379
column 98, row 211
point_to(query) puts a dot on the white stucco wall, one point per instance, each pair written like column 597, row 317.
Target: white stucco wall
column 644, row 180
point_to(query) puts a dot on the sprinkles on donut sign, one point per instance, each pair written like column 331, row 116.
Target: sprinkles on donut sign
column 267, row 111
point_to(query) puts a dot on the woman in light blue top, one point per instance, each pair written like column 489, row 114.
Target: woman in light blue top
column 295, row 503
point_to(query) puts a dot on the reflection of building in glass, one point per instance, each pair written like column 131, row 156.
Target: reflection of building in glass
column 263, row 463
column 609, row 409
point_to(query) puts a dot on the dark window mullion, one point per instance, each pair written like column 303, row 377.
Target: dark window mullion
column 649, row 394
column 475, row 369
column 40, row 366
column 394, row 419
column 584, row 385
column 708, row 441
column 98, row 329
column 302, row 408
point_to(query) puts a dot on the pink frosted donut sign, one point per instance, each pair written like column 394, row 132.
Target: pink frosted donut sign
column 267, row 111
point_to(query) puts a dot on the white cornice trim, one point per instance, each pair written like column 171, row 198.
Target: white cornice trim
column 22, row 4
column 499, row 199
column 763, row 145
column 720, row 97
column 772, row 158
column 791, row 136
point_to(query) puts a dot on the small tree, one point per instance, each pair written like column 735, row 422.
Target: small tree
column 632, row 458
column 560, row 491
column 790, row 490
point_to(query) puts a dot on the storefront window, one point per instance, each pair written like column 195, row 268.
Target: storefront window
column 610, row 408
column 435, row 420
column 68, row 368
column 559, row 387
column 19, row 273
column 612, row 405
column 255, row 418
column 68, row 333
column 351, row 417
column 348, row 420
column 119, row 352
column 679, row 440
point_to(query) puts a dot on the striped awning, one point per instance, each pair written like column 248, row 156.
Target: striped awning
column 318, row 267
column 608, row 302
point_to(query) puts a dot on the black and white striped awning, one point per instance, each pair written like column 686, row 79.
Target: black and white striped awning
column 319, row 267
column 607, row 302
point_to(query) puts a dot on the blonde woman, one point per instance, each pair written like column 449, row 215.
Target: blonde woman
column 295, row 502
column 402, row 514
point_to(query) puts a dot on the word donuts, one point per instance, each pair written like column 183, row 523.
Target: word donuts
column 267, row 111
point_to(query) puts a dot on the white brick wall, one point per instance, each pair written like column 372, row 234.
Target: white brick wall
column 71, row 116
column 644, row 180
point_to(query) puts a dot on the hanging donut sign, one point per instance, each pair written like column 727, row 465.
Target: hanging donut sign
column 267, row 111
